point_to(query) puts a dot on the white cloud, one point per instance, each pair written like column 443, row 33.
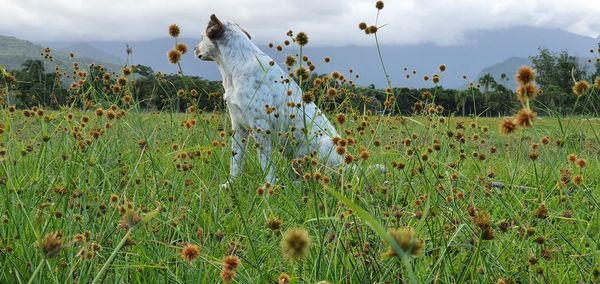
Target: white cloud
column 328, row 22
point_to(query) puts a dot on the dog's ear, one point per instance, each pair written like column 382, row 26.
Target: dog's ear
column 215, row 28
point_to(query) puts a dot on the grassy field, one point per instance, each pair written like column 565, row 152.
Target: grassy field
column 136, row 199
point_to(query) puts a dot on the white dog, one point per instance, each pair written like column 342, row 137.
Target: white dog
column 263, row 102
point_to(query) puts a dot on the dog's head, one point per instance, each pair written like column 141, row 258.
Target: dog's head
column 217, row 33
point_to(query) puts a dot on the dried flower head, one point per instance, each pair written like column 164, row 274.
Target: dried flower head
column 525, row 75
column 525, row 117
column 52, row 244
column 581, row 87
column 371, row 30
column 341, row 118
column 295, row 243
column 174, row 30
column 228, row 275
column 507, row 126
column 129, row 219
column 182, row 48
column 379, row 5
column 190, row 252
column 283, row 279
column 528, row 91
column 407, row 240
column 231, row 262
column 174, row 56
column 301, row 38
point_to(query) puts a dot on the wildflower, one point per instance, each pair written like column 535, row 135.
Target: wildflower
column 508, row 126
column 364, row 154
column 52, row 244
column 597, row 82
column 190, row 252
column 379, row 5
column 525, row 75
column 581, row 87
column 541, row 212
column 129, row 219
column 182, row 48
column 371, row 30
column 528, row 91
column 525, row 117
column 174, row 30
column 283, row 279
column 577, row 179
column 295, row 243
column 301, row 38
column 122, row 81
column 290, row 61
column 332, row 92
column 482, row 220
column 426, row 95
column 407, row 240
column 227, row 275
column 341, row 118
column 442, row 67
column 274, row 224
column 581, row 163
column 231, row 262
column 174, row 56
column 362, row 26
column 302, row 73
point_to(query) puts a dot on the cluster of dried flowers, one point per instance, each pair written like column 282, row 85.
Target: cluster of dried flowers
column 527, row 91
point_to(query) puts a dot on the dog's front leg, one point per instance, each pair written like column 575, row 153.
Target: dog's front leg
column 265, row 153
column 239, row 141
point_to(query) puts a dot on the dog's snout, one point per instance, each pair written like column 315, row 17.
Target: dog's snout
column 197, row 52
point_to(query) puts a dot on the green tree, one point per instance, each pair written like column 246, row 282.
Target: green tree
column 35, row 68
column 486, row 82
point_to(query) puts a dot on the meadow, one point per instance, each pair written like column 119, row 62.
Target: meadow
column 540, row 226
column 102, row 190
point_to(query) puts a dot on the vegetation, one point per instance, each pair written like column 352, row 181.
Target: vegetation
column 114, row 177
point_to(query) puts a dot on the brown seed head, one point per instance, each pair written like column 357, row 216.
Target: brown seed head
column 52, row 244
column 174, row 56
column 295, row 243
column 174, row 30
column 525, row 75
column 581, row 87
column 190, row 252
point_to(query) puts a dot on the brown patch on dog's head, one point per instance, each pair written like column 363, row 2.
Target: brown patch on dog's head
column 215, row 28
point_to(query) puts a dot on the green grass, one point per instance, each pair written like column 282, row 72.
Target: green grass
column 49, row 184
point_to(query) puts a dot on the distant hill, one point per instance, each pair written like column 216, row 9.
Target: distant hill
column 496, row 51
column 14, row 52
column 86, row 50
column 507, row 67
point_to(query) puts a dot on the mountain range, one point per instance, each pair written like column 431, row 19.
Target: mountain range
column 14, row 52
column 489, row 51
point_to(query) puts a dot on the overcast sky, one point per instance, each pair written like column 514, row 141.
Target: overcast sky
column 327, row 22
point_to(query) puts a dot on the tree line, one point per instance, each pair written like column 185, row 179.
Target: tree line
column 556, row 76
